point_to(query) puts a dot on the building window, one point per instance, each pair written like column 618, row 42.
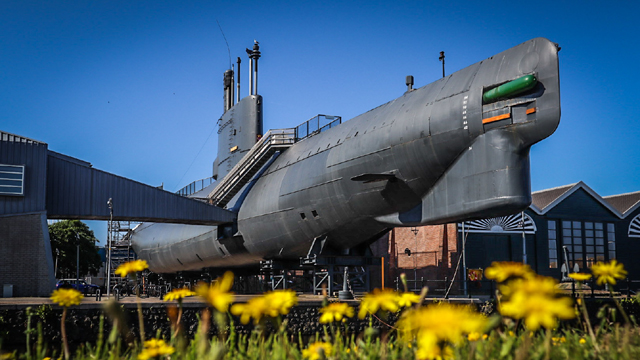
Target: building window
column 11, row 179
column 572, row 242
column 553, row 245
column 584, row 242
column 611, row 236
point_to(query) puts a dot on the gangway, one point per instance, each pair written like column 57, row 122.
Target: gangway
column 250, row 164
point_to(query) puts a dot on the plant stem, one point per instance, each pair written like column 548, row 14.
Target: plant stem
column 63, row 330
column 28, row 332
column 140, row 316
column 547, row 344
column 624, row 314
column 585, row 314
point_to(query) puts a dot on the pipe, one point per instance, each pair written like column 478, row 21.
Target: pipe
column 250, row 72
column 255, row 77
column 228, row 89
column 238, row 86
column 255, row 56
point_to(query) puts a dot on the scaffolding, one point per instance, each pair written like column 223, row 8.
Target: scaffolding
column 119, row 236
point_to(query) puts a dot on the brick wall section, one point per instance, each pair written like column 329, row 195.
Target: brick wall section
column 433, row 251
column 25, row 255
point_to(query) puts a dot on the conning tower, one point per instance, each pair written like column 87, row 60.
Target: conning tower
column 240, row 126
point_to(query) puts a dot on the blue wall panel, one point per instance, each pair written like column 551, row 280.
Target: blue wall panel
column 16, row 150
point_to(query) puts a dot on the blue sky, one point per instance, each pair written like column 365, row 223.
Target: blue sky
column 135, row 88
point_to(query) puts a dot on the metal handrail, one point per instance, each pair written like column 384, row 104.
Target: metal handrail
column 312, row 126
column 193, row 187
column 276, row 137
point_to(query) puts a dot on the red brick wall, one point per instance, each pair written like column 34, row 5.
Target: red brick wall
column 434, row 252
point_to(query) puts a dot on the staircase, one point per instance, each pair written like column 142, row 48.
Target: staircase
column 250, row 164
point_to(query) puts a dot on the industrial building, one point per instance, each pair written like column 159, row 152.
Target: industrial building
column 37, row 184
column 570, row 225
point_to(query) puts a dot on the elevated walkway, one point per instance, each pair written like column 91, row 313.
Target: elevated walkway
column 76, row 190
column 250, row 164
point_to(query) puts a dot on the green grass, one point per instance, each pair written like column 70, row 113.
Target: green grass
column 506, row 339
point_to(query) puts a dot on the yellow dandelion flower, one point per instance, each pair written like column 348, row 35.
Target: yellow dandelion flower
column 279, row 302
column 429, row 348
column 318, row 350
column 407, row 299
column 218, row 294
column 271, row 304
column 473, row 336
column 445, row 321
column 178, row 294
column 580, row 276
column 501, row 271
column 607, row 273
column 335, row 312
column 154, row 348
column 537, row 310
column 532, row 286
column 131, row 267
column 558, row 340
column 385, row 300
column 66, row 297
column 485, row 337
column 583, row 341
column 255, row 309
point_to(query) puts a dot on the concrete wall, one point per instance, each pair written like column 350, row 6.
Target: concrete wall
column 25, row 255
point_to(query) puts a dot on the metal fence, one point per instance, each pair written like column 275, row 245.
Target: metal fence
column 316, row 125
column 195, row 186
column 487, row 288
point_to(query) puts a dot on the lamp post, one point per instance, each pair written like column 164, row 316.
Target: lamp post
column 415, row 230
column 441, row 58
column 464, row 261
column 55, row 272
column 110, row 205
column 78, row 261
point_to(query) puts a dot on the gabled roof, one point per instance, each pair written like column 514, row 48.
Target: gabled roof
column 624, row 203
column 542, row 199
column 545, row 200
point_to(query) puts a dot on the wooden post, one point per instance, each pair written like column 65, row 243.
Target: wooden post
column 382, row 267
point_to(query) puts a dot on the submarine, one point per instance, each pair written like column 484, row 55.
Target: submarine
column 453, row 150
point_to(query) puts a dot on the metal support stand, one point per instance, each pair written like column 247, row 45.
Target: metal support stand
column 345, row 294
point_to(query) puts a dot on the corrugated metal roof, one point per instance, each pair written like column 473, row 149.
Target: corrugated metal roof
column 543, row 198
column 624, row 202
column 5, row 136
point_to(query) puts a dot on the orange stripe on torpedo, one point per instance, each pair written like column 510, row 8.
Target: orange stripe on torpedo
column 496, row 118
